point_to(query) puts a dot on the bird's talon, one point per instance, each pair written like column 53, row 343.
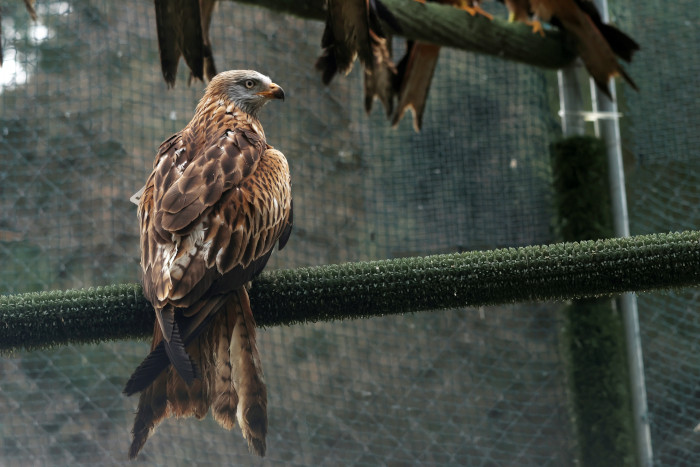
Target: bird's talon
column 537, row 28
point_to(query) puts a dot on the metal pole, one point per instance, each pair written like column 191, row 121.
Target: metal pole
column 607, row 127
column 571, row 101
column 605, row 116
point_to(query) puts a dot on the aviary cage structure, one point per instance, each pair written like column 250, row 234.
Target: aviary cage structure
column 83, row 109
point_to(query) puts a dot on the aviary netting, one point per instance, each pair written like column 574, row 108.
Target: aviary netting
column 477, row 181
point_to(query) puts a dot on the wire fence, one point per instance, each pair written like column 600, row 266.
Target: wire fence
column 83, row 110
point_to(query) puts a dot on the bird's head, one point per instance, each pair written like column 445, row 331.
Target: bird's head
column 247, row 89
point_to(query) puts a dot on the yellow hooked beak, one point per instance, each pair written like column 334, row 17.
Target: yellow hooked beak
column 274, row 92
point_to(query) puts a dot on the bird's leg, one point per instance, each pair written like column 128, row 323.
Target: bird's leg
column 477, row 9
column 473, row 8
column 467, row 5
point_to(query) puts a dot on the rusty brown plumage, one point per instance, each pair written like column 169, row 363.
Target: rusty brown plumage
column 212, row 210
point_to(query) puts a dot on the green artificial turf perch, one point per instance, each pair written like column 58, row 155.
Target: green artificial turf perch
column 354, row 290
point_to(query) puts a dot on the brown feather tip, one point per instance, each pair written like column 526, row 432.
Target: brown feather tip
column 256, row 429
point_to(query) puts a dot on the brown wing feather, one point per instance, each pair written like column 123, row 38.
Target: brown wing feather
column 179, row 30
column 582, row 20
column 415, row 74
column 232, row 156
column 345, row 37
column 622, row 44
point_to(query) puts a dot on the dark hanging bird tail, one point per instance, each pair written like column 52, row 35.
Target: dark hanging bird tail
column 148, row 370
column 229, row 380
column 181, row 361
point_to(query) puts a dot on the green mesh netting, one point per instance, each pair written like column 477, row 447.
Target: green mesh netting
column 83, row 108
column 662, row 134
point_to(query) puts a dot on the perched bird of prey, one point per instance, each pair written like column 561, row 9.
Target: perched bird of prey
column 597, row 43
column 353, row 31
column 416, row 68
column 212, row 210
column 183, row 30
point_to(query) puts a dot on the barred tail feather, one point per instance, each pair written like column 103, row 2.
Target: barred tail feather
column 225, row 400
column 247, row 377
column 187, row 401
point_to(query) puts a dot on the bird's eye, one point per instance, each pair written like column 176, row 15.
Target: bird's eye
column 250, row 84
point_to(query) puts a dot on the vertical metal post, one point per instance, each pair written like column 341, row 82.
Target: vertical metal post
column 608, row 129
column 571, row 101
column 606, row 123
